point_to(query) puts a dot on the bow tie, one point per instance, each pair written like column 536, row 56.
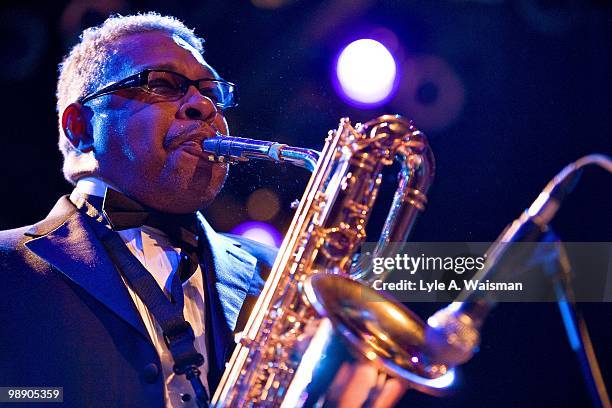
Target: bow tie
column 123, row 213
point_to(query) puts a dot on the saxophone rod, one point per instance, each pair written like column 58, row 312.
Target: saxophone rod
column 234, row 149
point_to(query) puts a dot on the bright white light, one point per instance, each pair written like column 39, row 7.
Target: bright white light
column 366, row 71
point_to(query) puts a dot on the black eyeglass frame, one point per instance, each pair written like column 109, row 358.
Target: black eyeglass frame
column 140, row 80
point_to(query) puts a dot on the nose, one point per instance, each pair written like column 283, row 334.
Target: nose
column 196, row 106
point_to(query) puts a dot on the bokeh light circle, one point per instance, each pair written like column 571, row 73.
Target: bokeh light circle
column 261, row 232
column 263, row 204
column 366, row 72
column 431, row 92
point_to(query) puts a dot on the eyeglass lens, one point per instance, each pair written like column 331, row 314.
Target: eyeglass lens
column 170, row 85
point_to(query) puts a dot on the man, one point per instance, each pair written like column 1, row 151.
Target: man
column 135, row 100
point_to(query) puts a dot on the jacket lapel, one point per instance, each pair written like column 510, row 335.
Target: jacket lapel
column 233, row 272
column 228, row 282
column 65, row 240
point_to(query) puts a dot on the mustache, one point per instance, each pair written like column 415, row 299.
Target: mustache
column 195, row 131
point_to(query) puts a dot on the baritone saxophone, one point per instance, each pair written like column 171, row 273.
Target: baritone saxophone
column 317, row 325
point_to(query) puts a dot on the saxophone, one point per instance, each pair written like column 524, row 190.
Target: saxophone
column 315, row 325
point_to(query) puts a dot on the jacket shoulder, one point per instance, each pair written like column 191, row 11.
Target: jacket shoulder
column 13, row 239
column 15, row 258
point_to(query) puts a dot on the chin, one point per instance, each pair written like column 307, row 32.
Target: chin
column 181, row 189
column 187, row 196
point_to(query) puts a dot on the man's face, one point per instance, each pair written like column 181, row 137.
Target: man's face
column 148, row 147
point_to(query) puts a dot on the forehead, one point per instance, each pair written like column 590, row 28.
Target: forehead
column 156, row 49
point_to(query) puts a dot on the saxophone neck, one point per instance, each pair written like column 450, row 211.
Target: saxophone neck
column 236, row 149
column 300, row 157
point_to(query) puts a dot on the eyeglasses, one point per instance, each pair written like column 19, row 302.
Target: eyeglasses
column 172, row 86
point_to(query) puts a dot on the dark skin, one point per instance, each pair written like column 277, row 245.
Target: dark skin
column 146, row 147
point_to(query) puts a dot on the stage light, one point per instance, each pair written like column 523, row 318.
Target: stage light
column 366, row 73
column 259, row 231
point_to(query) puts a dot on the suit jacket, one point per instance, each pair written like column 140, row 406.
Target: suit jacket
column 67, row 320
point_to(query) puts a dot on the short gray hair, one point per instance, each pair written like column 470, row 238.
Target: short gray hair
column 85, row 69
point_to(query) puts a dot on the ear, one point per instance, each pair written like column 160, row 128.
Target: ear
column 74, row 124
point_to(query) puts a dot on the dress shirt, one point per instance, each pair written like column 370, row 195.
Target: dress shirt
column 157, row 254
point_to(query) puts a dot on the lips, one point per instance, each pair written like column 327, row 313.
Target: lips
column 191, row 143
column 187, row 137
column 191, row 139
column 195, row 151
column 193, row 146
column 186, row 132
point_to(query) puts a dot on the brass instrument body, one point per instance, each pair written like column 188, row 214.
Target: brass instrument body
column 286, row 348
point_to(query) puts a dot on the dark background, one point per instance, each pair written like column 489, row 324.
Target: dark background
column 524, row 89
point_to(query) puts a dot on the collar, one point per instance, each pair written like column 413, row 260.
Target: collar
column 93, row 186
column 96, row 187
